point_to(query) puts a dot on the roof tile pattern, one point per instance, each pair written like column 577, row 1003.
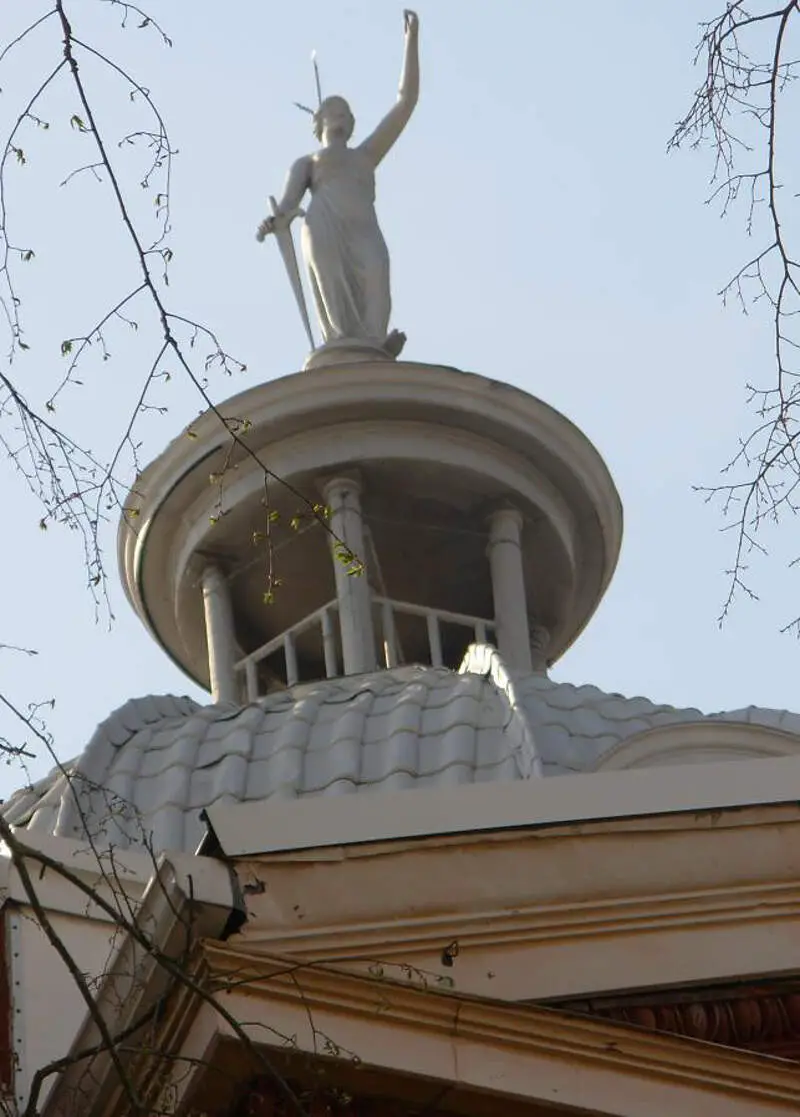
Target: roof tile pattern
column 152, row 767
column 157, row 762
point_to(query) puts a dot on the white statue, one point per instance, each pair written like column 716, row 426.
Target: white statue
column 342, row 243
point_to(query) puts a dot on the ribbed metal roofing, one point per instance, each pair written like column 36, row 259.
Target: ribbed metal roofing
column 157, row 762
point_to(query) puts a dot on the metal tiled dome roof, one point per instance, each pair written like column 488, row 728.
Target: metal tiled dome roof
column 153, row 766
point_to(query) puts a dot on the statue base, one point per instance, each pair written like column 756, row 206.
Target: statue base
column 347, row 350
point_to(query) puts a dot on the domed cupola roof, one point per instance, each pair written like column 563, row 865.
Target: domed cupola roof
column 156, row 763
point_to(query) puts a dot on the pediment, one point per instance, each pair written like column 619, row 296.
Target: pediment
column 370, row 1047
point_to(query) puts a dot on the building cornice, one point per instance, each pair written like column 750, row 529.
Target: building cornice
column 575, row 1048
column 547, row 914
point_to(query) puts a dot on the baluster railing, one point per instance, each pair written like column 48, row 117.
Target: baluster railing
column 389, row 634
column 290, row 653
column 434, row 640
column 324, row 619
column 329, row 644
column 251, row 675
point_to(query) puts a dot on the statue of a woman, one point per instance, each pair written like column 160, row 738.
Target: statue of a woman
column 342, row 243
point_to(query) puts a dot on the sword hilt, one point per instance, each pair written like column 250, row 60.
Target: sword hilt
column 280, row 221
column 285, row 219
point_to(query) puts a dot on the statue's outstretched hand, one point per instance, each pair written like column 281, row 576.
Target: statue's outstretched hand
column 410, row 22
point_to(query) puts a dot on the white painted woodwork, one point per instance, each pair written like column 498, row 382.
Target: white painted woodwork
column 508, row 588
column 220, row 635
column 342, row 497
column 476, row 629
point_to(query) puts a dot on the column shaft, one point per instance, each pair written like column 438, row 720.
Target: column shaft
column 342, row 496
column 508, row 588
column 220, row 635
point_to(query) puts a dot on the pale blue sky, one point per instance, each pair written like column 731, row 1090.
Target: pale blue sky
column 538, row 233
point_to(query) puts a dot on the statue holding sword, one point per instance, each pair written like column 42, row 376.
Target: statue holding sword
column 342, row 244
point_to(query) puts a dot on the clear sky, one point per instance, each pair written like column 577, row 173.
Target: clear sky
column 538, row 234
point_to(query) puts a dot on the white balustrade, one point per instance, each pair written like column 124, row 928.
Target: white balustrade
column 290, row 654
column 434, row 619
column 478, row 630
column 329, row 644
column 434, row 639
column 287, row 642
column 390, row 653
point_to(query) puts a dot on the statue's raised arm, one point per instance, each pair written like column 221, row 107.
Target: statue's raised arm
column 377, row 145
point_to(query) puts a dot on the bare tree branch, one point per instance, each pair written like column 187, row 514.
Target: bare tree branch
column 749, row 69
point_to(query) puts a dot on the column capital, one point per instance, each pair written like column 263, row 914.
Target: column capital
column 349, row 479
column 505, row 525
column 212, row 574
column 505, row 513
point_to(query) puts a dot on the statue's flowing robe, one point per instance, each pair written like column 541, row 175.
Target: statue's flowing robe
column 345, row 251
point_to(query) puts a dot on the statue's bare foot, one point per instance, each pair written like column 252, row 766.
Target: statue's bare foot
column 394, row 343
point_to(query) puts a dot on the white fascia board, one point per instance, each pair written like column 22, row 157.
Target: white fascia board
column 129, row 870
column 318, row 821
column 132, row 870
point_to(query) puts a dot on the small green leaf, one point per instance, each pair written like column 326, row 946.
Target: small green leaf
column 257, row 537
column 268, row 598
column 76, row 122
column 28, row 255
column 273, row 517
column 66, row 347
column 191, row 434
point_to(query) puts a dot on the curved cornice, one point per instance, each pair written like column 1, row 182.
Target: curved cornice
column 699, row 742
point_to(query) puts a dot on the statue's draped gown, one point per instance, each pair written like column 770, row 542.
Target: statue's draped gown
column 345, row 251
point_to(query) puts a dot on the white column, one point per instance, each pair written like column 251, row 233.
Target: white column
column 342, row 496
column 220, row 635
column 508, row 588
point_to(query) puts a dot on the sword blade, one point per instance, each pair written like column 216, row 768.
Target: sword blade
column 283, row 235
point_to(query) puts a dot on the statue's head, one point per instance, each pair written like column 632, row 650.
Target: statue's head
column 334, row 117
